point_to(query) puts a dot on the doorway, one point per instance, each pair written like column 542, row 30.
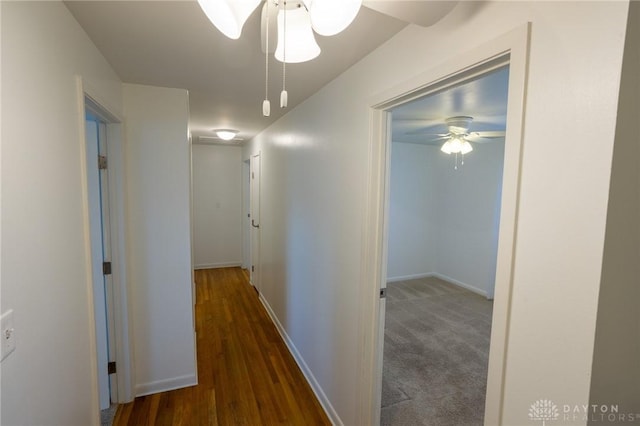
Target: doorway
column 443, row 225
column 101, row 132
column 246, row 215
column 101, row 254
column 510, row 49
column 254, row 202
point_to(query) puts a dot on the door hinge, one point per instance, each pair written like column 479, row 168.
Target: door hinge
column 111, row 367
column 253, row 268
column 383, row 293
column 106, row 268
column 102, row 162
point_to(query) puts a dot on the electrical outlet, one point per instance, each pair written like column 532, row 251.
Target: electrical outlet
column 8, row 336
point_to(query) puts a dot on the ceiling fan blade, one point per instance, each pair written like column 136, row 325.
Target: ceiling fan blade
column 425, row 132
column 482, row 140
column 423, row 13
column 419, row 141
column 433, row 142
column 487, row 134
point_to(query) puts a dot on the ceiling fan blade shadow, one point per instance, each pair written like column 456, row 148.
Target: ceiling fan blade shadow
column 420, row 13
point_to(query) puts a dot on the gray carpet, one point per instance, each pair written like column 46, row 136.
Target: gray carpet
column 436, row 350
column 107, row 415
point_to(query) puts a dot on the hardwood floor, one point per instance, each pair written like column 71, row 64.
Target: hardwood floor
column 246, row 374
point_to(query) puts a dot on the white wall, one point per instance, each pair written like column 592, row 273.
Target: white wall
column 50, row 378
column 314, row 171
column 412, row 222
column 443, row 221
column 616, row 374
column 158, row 178
column 217, row 206
column 468, row 217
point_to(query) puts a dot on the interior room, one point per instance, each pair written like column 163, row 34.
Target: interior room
column 217, row 138
column 444, row 214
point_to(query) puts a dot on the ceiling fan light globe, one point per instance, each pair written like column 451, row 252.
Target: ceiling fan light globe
column 300, row 42
column 455, row 145
column 466, row 147
column 330, row 17
column 446, row 148
column 229, row 16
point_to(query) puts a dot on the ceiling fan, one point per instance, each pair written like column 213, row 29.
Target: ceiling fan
column 458, row 138
column 293, row 24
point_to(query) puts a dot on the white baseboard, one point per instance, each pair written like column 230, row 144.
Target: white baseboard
column 166, row 385
column 442, row 277
column 408, row 277
column 218, row 265
column 315, row 386
column 461, row 284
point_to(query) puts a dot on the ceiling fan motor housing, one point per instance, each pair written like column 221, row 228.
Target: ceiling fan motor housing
column 459, row 125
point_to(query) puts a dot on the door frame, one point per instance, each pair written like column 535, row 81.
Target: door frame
column 88, row 97
column 255, row 170
column 512, row 49
column 246, row 214
column 98, row 193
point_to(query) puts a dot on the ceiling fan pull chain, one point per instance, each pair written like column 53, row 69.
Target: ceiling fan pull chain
column 455, row 167
column 266, row 105
column 284, row 95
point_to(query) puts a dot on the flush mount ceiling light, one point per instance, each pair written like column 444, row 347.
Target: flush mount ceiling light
column 226, row 134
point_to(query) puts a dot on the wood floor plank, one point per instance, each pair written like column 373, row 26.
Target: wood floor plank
column 246, row 374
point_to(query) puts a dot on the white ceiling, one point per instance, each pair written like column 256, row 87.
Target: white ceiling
column 484, row 99
column 173, row 44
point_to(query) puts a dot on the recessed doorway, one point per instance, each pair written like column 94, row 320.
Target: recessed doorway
column 510, row 49
column 447, row 154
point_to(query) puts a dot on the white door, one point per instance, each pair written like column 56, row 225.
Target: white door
column 255, row 221
column 98, row 193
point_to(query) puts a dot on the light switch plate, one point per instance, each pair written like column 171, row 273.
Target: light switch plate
column 8, row 334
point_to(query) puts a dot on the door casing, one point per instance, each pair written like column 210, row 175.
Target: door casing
column 512, row 49
column 88, row 98
column 255, row 176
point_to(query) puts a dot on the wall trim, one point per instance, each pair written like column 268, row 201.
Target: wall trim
column 443, row 277
column 124, row 382
column 469, row 287
column 218, row 265
column 166, row 385
column 306, row 371
column 409, row 277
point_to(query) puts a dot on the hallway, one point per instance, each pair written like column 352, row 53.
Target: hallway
column 246, row 374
